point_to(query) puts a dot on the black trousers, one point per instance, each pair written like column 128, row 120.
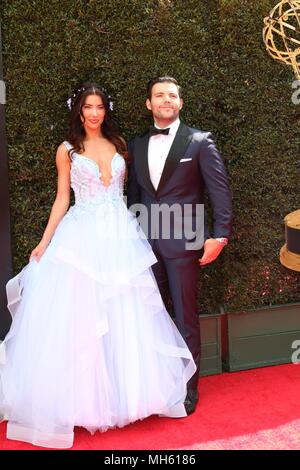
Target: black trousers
column 177, row 280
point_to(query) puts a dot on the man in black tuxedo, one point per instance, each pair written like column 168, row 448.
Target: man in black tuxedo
column 171, row 164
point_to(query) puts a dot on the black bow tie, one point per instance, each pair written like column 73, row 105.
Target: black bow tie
column 154, row 131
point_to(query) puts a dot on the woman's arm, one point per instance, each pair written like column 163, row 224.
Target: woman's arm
column 61, row 203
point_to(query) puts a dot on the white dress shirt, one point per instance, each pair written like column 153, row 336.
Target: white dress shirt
column 158, row 149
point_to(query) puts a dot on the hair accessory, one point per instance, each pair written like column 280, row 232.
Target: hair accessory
column 70, row 101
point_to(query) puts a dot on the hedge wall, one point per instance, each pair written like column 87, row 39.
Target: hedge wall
column 231, row 87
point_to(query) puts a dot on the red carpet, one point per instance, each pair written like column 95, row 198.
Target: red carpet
column 242, row 410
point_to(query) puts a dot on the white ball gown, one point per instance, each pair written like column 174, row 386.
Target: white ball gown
column 91, row 343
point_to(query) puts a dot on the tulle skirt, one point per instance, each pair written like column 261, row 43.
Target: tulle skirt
column 91, row 343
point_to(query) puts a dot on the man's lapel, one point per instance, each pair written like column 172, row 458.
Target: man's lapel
column 177, row 151
column 141, row 162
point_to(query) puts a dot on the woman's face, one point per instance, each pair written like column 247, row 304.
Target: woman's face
column 93, row 112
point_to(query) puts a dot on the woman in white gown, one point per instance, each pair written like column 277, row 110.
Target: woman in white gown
column 91, row 343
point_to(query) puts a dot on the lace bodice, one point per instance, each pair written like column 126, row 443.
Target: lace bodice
column 86, row 182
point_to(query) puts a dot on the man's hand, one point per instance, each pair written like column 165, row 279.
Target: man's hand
column 212, row 249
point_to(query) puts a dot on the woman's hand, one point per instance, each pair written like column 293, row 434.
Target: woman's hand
column 38, row 251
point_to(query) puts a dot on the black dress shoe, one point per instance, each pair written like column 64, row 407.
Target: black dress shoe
column 191, row 401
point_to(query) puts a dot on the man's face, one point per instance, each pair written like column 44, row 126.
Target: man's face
column 165, row 103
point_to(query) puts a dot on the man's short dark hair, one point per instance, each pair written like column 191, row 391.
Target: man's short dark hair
column 155, row 80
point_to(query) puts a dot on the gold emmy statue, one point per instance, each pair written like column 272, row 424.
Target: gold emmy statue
column 281, row 34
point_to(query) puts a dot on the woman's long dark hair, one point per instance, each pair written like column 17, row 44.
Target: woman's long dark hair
column 76, row 133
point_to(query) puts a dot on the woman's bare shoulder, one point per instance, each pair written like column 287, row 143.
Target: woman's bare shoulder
column 62, row 155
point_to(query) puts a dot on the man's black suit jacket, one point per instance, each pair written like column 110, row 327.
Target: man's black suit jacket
column 193, row 165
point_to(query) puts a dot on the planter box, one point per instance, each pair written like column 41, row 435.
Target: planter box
column 211, row 354
column 260, row 338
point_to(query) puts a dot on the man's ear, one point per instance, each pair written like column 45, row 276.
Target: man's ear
column 181, row 103
column 148, row 104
